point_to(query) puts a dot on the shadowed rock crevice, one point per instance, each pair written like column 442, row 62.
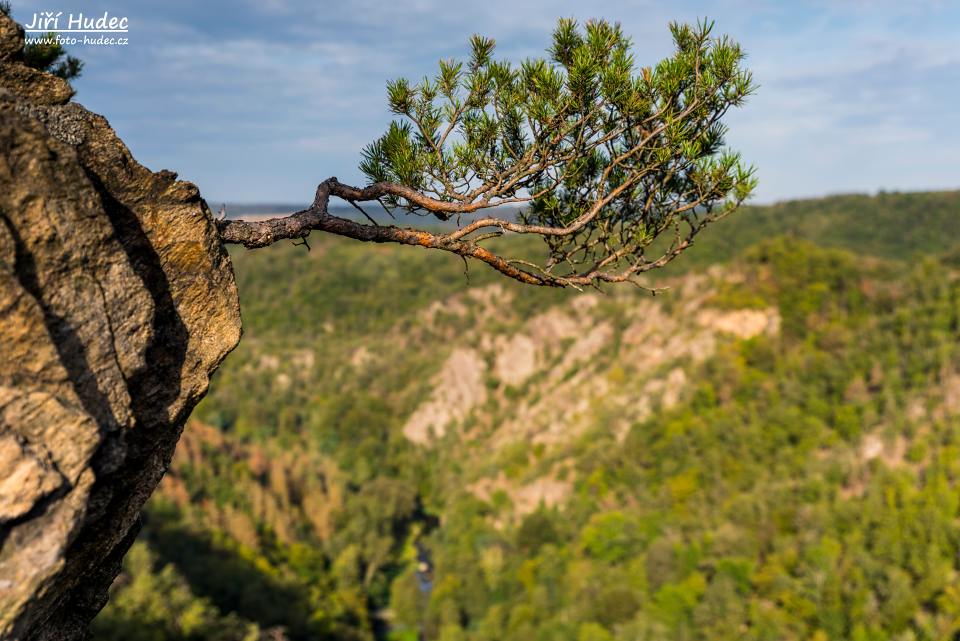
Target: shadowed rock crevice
column 155, row 388
column 69, row 345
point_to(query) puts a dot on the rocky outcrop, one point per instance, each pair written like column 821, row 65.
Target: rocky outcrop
column 459, row 387
column 117, row 301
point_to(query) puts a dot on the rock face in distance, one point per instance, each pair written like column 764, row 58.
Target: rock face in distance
column 117, row 302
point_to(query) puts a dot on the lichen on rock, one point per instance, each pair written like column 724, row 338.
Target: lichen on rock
column 117, row 302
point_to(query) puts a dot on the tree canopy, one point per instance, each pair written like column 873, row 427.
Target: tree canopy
column 600, row 159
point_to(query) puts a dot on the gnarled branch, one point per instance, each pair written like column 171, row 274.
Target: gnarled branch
column 604, row 162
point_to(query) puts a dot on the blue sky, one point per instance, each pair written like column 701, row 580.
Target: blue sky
column 260, row 101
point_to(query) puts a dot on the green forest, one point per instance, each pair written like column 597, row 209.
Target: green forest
column 402, row 448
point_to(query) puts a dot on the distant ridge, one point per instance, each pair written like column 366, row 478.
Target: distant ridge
column 888, row 224
column 257, row 210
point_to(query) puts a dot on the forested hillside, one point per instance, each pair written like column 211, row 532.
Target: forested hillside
column 768, row 449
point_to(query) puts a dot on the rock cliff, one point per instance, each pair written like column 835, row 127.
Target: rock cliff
column 117, row 302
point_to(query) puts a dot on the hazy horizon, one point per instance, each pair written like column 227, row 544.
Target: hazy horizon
column 258, row 208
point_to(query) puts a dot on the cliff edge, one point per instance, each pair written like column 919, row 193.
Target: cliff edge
column 117, row 302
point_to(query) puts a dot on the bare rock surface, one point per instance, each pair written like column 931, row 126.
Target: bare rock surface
column 117, row 302
column 459, row 388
